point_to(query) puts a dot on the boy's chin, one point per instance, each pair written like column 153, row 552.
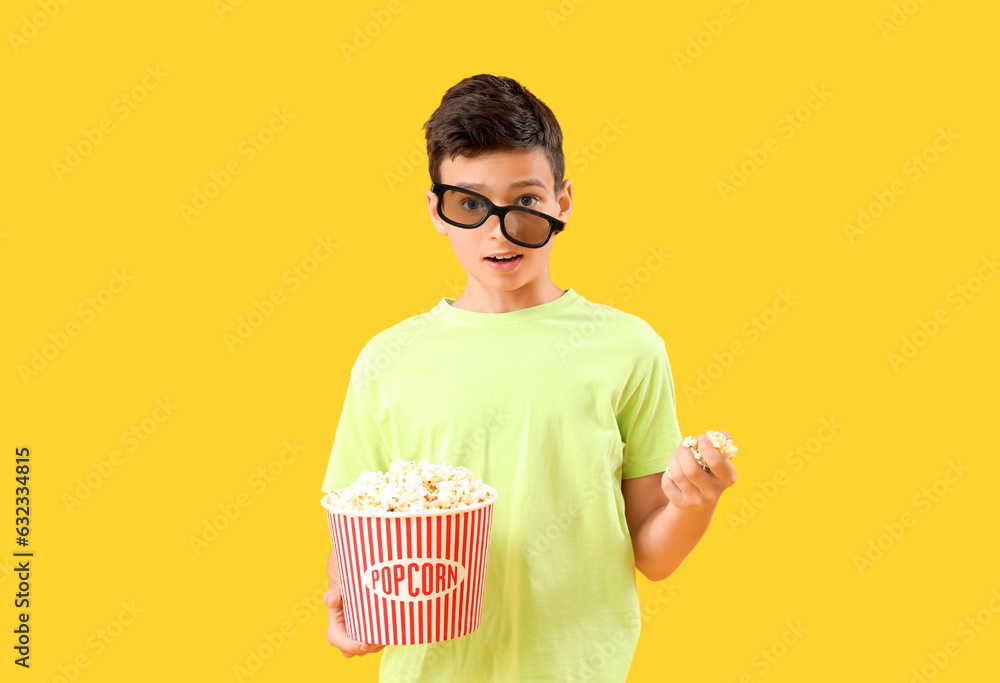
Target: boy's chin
column 510, row 286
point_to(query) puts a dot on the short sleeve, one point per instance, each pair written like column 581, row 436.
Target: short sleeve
column 358, row 445
column 647, row 420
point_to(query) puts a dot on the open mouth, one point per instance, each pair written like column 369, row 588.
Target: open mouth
column 503, row 264
column 504, row 259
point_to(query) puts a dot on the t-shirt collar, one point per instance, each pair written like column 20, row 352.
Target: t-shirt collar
column 445, row 309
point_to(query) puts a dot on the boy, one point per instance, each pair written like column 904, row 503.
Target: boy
column 565, row 406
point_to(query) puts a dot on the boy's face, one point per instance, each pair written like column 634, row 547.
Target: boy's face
column 498, row 176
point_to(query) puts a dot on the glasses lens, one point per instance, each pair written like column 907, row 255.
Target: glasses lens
column 526, row 227
column 468, row 210
column 462, row 208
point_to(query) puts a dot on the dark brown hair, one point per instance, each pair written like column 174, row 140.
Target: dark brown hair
column 485, row 113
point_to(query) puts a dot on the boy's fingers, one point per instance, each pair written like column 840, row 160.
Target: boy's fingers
column 720, row 466
column 336, row 635
column 710, row 454
column 691, row 469
column 681, row 473
column 675, row 492
column 336, row 632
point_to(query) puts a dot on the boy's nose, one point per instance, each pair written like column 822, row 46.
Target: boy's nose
column 492, row 227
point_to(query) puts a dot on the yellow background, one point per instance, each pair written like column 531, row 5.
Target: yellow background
column 651, row 183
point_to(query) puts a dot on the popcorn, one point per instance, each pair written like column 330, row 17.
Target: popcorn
column 718, row 439
column 413, row 487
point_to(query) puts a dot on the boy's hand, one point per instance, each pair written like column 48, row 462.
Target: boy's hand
column 336, row 632
column 688, row 486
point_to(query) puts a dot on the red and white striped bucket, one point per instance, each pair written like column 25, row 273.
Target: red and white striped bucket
column 411, row 577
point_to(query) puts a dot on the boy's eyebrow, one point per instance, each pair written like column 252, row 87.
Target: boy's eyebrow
column 527, row 182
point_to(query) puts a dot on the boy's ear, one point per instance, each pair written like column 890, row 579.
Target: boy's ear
column 565, row 201
column 439, row 224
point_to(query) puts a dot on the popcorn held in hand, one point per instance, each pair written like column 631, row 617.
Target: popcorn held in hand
column 718, row 439
column 413, row 487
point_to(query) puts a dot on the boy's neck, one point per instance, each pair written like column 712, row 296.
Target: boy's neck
column 481, row 299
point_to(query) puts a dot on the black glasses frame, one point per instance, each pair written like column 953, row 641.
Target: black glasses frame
column 555, row 225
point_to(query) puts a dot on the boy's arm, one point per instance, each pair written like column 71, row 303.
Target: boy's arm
column 668, row 513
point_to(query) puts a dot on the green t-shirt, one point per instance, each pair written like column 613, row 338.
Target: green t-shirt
column 552, row 405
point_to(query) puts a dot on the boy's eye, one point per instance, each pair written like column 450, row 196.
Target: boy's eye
column 471, row 204
column 532, row 200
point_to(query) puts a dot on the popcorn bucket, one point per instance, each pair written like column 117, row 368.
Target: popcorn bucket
column 411, row 577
